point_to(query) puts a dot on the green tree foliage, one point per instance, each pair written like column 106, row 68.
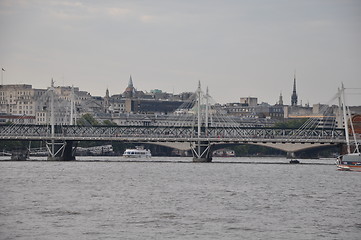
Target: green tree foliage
column 294, row 123
column 87, row 120
column 109, row 123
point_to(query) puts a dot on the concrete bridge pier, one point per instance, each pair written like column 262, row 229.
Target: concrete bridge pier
column 201, row 151
column 61, row 151
column 291, row 155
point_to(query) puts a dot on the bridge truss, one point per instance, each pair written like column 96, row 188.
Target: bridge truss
column 168, row 133
column 199, row 123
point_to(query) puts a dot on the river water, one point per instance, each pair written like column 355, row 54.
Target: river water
column 173, row 198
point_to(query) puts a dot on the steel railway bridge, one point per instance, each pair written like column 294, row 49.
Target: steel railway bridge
column 200, row 134
column 60, row 142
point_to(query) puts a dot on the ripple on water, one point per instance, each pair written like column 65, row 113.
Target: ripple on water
column 159, row 200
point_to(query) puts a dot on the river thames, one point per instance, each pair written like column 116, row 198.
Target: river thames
column 173, row 198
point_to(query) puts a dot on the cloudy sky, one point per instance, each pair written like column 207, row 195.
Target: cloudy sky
column 237, row 48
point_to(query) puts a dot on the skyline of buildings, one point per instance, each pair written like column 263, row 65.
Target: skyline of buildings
column 293, row 96
column 23, row 103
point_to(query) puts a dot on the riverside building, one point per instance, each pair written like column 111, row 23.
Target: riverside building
column 20, row 103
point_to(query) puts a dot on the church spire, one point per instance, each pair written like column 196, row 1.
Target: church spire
column 130, row 83
column 130, row 90
column 294, row 93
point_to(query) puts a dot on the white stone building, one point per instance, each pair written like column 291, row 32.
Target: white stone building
column 20, row 103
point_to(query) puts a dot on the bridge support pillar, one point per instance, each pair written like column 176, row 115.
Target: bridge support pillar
column 201, row 151
column 61, row 151
column 291, row 155
column 343, row 149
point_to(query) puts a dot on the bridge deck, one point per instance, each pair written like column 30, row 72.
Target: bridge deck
column 171, row 134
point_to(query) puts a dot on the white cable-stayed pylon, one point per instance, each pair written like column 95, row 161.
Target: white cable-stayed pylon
column 324, row 117
column 72, row 107
column 201, row 111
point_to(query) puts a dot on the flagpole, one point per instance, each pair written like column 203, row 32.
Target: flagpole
column 2, row 76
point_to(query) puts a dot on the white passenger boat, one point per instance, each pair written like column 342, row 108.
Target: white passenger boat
column 138, row 152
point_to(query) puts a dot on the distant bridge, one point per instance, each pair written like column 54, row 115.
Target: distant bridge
column 171, row 134
column 286, row 139
column 200, row 128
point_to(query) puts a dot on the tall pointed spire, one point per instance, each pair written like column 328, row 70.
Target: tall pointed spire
column 294, row 93
column 130, row 83
column 130, row 90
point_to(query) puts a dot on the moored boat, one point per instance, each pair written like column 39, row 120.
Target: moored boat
column 349, row 161
column 138, row 152
column 294, row 161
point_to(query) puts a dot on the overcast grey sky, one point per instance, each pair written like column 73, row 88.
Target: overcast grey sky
column 237, row 48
